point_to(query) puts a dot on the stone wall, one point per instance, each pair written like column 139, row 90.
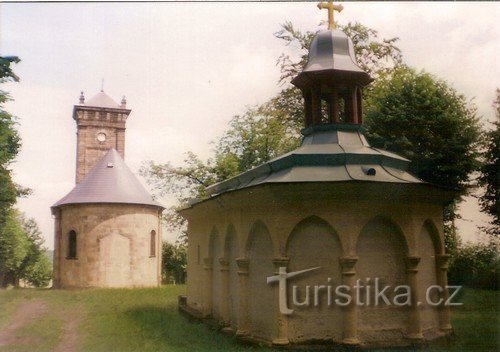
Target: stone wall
column 113, row 246
column 384, row 233
column 91, row 122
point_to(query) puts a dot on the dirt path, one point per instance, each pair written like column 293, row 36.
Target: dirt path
column 31, row 310
column 24, row 315
column 70, row 336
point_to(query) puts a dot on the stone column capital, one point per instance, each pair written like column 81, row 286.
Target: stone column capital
column 280, row 261
column 207, row 263
column 347, row 264
column 224, row 264
column 412, row 262
column 243, row 264
column 442, row 261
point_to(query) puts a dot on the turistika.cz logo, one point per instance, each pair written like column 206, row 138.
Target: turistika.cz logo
column 370, row 292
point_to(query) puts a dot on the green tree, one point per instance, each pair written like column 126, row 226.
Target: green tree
column 36, row 268
column 14, row 247
column 476, row 265
column 22, row 254
column 9, row 142
column 490, row 173
column 424, row 119
column 174, row 263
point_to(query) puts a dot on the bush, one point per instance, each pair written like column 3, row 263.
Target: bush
column 475, row 265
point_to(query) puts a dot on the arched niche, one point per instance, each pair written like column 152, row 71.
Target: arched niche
column 314, row 243
column 261, row 296
column 214, row 252
column 231, row 252
column 428, row 247
column 381, row 248
column 115, row 259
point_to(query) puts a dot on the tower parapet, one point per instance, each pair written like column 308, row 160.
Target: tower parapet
column 100, row 127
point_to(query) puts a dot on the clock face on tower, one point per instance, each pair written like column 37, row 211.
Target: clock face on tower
column 101, row 137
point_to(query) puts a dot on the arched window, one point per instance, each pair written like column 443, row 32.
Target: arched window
column 153, row 244
column 72, row 245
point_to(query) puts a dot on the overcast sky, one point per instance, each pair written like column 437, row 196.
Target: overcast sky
column 187, row 68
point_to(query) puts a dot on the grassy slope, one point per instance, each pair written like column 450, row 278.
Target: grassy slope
column 148, row 320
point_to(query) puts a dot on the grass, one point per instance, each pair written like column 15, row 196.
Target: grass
column 147, row 320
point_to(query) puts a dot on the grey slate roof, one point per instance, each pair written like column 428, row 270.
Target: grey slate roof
column 102, row 100
column 109, row 181
column 328, row 153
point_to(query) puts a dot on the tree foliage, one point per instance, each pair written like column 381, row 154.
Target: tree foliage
column 22, row 255
column 490, row 173
column 9, row 141
column 36, row 267
column 425, row 120
column 174, row 263
column 14, row 247
column 475, row 265
column 22, row 252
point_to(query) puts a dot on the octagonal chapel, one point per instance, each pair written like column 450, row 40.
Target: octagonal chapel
column 269, row 248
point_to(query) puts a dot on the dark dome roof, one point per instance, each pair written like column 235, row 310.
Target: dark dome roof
column 332, row 53
column 109, row 181
column 329, row 153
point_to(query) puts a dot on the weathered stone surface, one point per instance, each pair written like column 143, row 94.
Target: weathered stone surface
column 113, row 246
column 349, row 235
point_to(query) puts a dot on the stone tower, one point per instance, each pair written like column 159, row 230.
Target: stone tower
column 107, row 229
column 100, row 126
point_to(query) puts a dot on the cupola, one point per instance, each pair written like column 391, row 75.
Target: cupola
column 332, row 82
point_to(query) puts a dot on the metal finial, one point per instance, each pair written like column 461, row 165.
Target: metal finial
column 82, row 98
column 123, row 102
column 331, row 8
column 102, row 85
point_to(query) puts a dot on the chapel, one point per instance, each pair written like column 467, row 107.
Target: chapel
column 107, row 228
column 268, row 248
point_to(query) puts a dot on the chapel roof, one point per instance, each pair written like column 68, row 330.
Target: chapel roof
column 109, row 181
column 329, row 153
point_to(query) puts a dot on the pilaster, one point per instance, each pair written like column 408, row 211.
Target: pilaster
column 442, row 281
column 414, row 323
column 281, row 338
column 243, row 318
column 350, row 321
column 207, row 292
column 224, row 294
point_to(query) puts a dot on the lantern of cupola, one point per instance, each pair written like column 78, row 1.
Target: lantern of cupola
column 332, row 82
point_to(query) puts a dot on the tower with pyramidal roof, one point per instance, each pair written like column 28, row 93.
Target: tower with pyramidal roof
column 107, row 228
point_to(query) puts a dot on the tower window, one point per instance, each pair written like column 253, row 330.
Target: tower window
column 152, row 249
column 72, row 245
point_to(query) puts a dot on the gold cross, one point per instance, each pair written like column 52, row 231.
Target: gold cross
column 331, row 8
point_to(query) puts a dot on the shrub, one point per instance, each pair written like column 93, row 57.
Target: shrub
column 475, row 265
